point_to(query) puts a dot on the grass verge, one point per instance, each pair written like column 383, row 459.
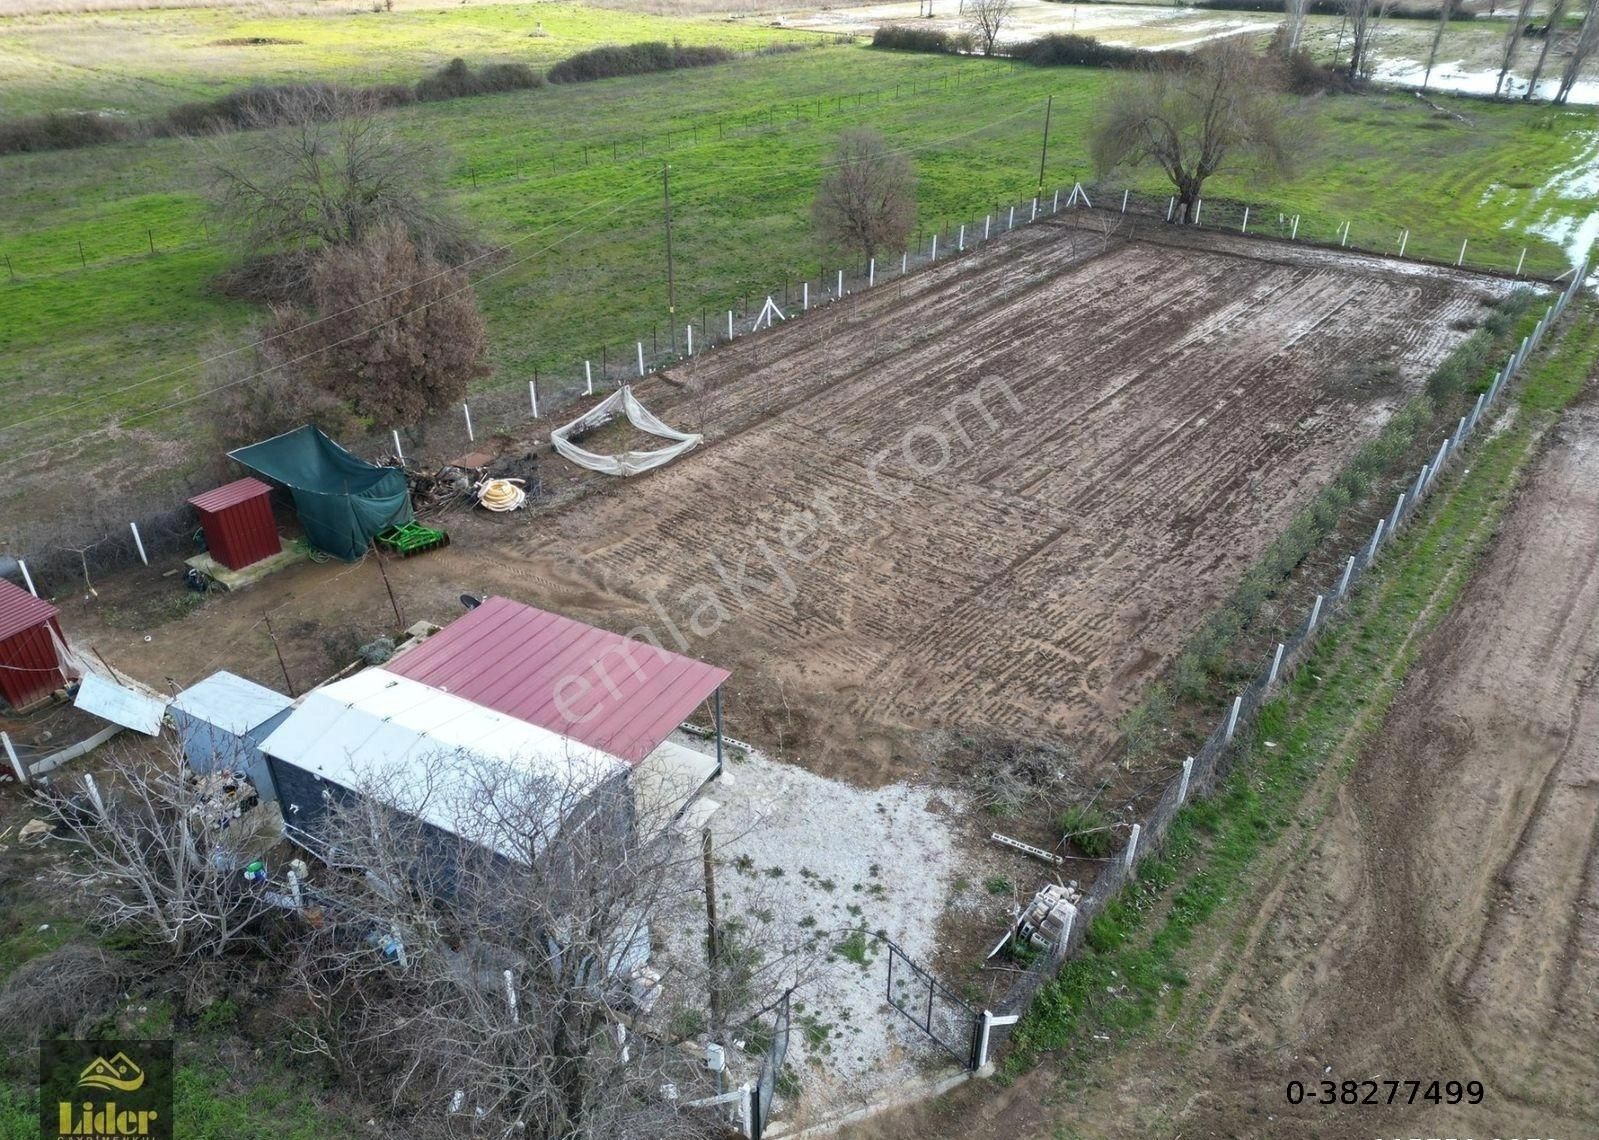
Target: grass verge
column 1131, row 969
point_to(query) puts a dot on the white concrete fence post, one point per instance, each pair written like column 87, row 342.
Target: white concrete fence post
column 1476, row 410
column 639, row 345
column 1034, row 216
column 467, row 412
column 871, row 268
column 1421, row 483
column 588, row 378
column 1124, row 201
column 1315, row 615
column 1343, row 235
column 1232, row 719
column 1171, row 205
column 934, row 256
column 805, row 297
column 138, row 543
column 400, row 455
column 1520, row 261
column 840, row 293
column 1182, row 783
column 1462, row 258
column 17, row 765
column 1349, row 572
column 1293, row 233
column 533, row 398
column 26, row 577
column 1404, row 240
column 1012, row 224
column 904, row 263
column 960, row 242
column 1244, row 229
column 1199, row 204
column 1276, row 664
column 1376, row 541
column 1131, row 853
column 729, row 329
column 1460, row 433
column 689, row 338
column 1393, row 519
column 1055, row 209
column 987, row 220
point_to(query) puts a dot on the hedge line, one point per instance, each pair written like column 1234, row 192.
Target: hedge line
column 269, row 105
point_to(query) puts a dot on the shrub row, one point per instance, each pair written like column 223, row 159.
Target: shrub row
column 272, row 104
column 1055, row 50
column 634, row 59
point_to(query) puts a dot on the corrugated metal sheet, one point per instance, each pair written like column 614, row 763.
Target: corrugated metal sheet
column 238, row 523
column 430, row 752
column 29, row 666
column 230, row 494
column 20, row 610
column 110, row 701
column 613, row 693
column 230, row 702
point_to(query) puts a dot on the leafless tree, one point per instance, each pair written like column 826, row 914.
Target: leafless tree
column 1219, row 114
column 1583, row 50
column 1557, row 12
column 1294, row 36
column 987, row 18
column 1363, row 17
column 392, row 333
column 337, row 171
column 1513, row 34
column 867, row 200
column 160, row 852
column 482, row 948
column 1446, row 11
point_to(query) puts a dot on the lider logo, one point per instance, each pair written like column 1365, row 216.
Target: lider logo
column 105, row 1090
column 119, row 1074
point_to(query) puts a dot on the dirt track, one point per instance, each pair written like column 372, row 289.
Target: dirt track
column 1014, row 489
column 1445, row 923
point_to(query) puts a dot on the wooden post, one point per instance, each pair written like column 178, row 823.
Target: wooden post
column 287, row 682
column 713, row 949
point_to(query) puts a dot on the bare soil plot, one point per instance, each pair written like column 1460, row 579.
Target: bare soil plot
column 1444, row 920
column 998, row 503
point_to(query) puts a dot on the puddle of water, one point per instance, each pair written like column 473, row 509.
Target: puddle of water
column 1455, row 76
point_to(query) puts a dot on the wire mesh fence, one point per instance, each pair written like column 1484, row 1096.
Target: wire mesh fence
column 1204, row 770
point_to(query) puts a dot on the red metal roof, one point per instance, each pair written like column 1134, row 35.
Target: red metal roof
column 230, row 494
column 20, row 610
column 605, row 690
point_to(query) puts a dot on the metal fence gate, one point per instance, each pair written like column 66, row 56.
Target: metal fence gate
column 771, row 1068
column 937, row 1012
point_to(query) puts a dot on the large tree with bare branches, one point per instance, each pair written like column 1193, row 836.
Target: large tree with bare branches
column 1217, row 114
column 324, row 169
column 987, row 19
column 867, row 200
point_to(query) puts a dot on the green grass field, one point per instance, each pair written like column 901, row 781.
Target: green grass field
column 141, row 61
column 586, row 265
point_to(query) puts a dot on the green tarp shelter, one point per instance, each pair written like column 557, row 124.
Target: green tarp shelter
column 343, row 500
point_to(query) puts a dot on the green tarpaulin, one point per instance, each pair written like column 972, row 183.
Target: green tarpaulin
column 343, row 500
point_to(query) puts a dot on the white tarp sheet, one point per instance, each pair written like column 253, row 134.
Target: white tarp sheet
column 629, row 462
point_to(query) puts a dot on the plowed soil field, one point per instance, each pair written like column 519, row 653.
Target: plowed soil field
column 994, row 499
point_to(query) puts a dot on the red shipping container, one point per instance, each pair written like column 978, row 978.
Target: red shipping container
column 30, row 669
column 238, row 523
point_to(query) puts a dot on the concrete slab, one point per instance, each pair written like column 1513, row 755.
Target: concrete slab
column 288, row 554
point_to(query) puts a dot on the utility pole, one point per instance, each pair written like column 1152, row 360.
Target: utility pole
column 1043, row 152
column 671, row 296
